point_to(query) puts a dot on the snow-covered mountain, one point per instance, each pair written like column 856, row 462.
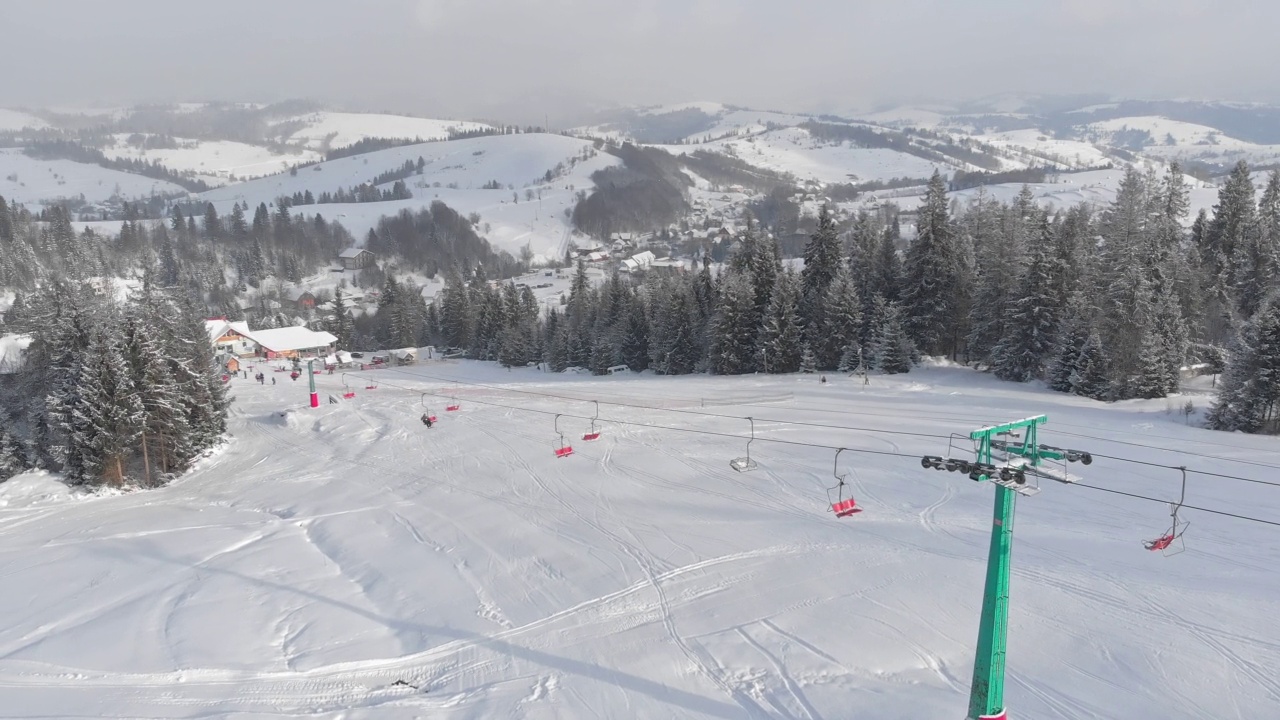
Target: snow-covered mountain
column 525, row 185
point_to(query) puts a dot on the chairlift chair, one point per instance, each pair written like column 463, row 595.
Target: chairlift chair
column 428, row 414
column 745, row 463
column 562, row 450
column 1171, row 543
column 454, row 405
column 593, row 434
column 373, row 385
column 840, row 505
column 347, row 391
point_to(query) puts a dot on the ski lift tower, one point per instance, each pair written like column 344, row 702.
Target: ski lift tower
column 986, row 695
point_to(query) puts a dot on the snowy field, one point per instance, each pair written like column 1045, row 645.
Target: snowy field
column 336, row 129
column 793, row 150
column 216, row 162
column 18, row 120
column 323, row 555
column 28, row 181
column 517, row 160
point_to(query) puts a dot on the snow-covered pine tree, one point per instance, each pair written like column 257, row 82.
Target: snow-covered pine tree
column 894, row 347
column 999, row 238
column 823, row 259
column 1032, row 322
column 1072, row 333
column 342, row 324
column 782, row 337
column 808, row 363
column 12, row 458
column 1090, row 376
column 842, row 320
column 736, row 327
column 1249, row 400
column 888, row 264
column 635, row 343
column 107, row 415
column 931, row 291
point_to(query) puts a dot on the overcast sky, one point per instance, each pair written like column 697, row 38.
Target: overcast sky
column 521, row 59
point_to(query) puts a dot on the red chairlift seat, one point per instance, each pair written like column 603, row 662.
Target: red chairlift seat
column 591, row 436
column 561, row 449
column 1160, row 543
column 452, row 408
column 371, row 386
column 348, row 395
column 845, row 508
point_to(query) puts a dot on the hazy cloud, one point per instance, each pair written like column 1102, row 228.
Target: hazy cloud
column 526, row 59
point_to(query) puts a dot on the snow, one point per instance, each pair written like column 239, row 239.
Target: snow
column 326, row 554
column 18, row 120
column 216, row 162
column 1039, row 149
column 342, row 129
column 29, row 181
column 290, row 338
column 12, row 348
column 793, row 150
column 517, row 160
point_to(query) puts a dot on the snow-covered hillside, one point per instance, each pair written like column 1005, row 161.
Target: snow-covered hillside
column 793, row 150
column 18, row 120
column 521, row 161
column 326, row 556
column 336, row 129
column 29, row 181
column 217, row 162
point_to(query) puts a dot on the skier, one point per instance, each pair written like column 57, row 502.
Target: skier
column 823, row 379
column 273, row 380
column 426, row 420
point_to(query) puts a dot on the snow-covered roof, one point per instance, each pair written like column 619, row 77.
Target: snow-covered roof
column 403, row 353
column 291, row 338
column 293, row 294
column 352, row 252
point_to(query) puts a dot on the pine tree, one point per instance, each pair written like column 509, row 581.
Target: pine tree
column 635, row 343
column 1249, row 400
column 894, row 348
column 342, row 325
column 842, row 321
column 808, row 363
column 1073, row 332
column 822, row 261
column 212, row 225
column 931, row 289
column 781, row 338
column 12, row 458
column 107, row 415
column 1089, row 378
column 1033, row 321
column 736, row 328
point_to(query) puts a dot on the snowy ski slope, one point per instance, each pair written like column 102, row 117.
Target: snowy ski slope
column 326, row 554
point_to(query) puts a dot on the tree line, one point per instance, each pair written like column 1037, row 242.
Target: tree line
column 1108, row 305
column 110, row 393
